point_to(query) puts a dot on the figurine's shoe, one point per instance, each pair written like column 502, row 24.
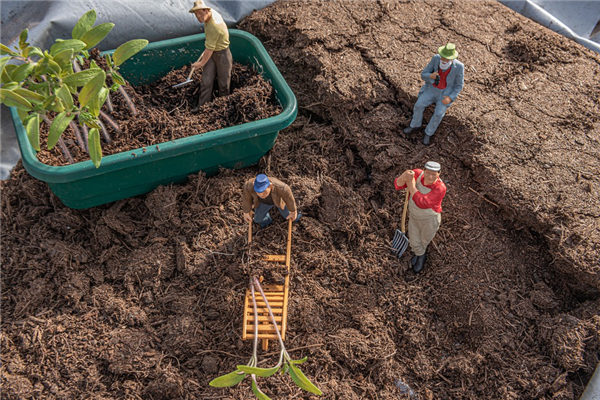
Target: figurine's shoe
column 408, row 130
column 413, row 261
column 420, row 264
column 426, row 140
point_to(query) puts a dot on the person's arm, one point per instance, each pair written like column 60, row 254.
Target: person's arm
column 246, row 202
column 459, row 82
column 429, row 70
column 206, row 55
column 431, row 199
column 290, row 202
column 401, row 181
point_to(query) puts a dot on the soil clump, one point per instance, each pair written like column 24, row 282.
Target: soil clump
column 143, row 297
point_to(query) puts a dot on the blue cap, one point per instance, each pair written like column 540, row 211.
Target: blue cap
column 432, row 166
column 261, row 183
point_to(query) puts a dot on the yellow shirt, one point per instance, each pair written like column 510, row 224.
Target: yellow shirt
column 217, row 34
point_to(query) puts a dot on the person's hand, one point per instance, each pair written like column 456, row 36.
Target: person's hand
column 410, row 173
column 433, row 76
column 197, row 65
column 293, row 215
column 247, row 217
column 446, row 100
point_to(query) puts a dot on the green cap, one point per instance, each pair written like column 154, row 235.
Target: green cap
column 448, row 51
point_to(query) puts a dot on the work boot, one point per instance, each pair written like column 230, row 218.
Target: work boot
column 408, row 130
column 420, row 264
column 426, row 140
column 413, row 261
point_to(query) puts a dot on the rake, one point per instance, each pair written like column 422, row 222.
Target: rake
column 400, row 241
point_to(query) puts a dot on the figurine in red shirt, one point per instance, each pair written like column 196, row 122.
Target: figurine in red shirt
column 424, row 208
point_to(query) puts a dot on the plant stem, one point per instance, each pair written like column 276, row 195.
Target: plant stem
column 76, row 66
column 77, row 135
column 85, row 137
column 259, row 287
column 255, row 319
column 110, row 121
column 61, row 143
column 128, row 100
column 105, row 134
column 109, row 104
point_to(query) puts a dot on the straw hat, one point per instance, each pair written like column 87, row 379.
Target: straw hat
column 448, row 51
column 199, row 5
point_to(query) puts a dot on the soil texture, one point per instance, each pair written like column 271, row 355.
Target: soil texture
column 143, row 298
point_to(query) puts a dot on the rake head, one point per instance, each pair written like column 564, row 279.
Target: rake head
column 399, row 243
column 183, row 83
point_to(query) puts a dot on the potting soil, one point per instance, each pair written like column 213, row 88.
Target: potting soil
column 143, row 298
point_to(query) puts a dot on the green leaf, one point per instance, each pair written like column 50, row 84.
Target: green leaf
column 127, row 50
column 227, row 380
column 53, row 103
column 262, row 372
column 58, row 126
column 23, row 39
column 258, row 393
column 302, row 381
column 118, row 78
column 32, row 128
column 94, row 146
column 97, row 102
column 65, row 96
column 32, row 51
column 300, row 361
column 73, row 44
column 5, row 50
column 54, row 67
column 22, row 72
column 29, row 95
column 91, row 89
column 84, row 24
column 3, row 62
column 12, row 99
column 80, row 78
column 96, row 34
column 63, row 58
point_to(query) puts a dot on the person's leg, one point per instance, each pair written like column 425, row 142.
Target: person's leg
column 262, row 216
column 425, row 99
column 224, row 63
column 208, row 80
column 285, row 212
column 414, row 236
column 436, row 118
column 429, row 228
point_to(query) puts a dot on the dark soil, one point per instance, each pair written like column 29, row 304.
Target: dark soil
column 143, row 298
column 165, row 113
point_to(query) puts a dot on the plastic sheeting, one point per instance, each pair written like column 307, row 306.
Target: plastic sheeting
column 165, row 19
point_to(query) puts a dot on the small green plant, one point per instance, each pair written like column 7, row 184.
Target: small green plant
column 285, row 365
column 52, row 86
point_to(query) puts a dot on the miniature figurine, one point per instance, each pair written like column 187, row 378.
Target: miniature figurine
column 444, row 79
column 216, row 60
column 424, row 208
column 262, row 193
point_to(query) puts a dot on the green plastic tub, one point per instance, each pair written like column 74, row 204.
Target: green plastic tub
column 135, row 172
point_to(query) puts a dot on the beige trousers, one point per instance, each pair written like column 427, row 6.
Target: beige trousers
column 421, row 231
column 218, row 66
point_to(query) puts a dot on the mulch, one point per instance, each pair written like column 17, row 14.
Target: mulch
column 143, row 298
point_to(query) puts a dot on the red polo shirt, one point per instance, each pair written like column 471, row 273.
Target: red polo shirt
column 432, row 199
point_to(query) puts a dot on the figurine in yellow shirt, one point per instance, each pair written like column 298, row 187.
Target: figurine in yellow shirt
column 216, row 60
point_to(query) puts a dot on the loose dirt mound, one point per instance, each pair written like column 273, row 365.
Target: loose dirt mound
column 142, row 298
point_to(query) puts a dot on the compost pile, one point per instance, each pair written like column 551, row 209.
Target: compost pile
column 165, row 113
column 143, row 298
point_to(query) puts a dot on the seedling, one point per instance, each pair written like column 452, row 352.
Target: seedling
column 51, row 86
column 285, row 365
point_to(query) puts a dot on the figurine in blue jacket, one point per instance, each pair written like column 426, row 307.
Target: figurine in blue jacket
column 444, row 79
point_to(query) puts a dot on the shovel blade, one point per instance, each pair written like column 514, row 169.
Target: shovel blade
column 399, row 243
column 182, row 83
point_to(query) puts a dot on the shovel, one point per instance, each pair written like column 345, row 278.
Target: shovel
column 400, row 241
column 189, row 78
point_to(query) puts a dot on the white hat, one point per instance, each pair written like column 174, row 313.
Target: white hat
column 199, row 5
column 432, row 166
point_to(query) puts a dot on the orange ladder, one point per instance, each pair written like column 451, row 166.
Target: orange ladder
column 277, row 296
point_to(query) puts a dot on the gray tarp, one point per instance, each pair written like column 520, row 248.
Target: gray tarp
column 159, row 20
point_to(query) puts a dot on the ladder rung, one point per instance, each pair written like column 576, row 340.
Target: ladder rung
column 278, row 318
column 272, row 288
column 274, row 257
column 273, row 304
column 262, row 336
